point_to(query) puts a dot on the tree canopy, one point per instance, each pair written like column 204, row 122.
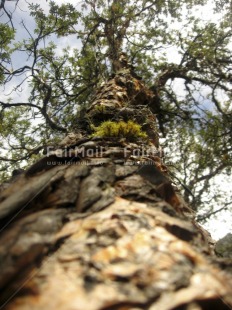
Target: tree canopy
column 49, row 77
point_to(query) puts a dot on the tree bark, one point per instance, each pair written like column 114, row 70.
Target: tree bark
column 97, row 223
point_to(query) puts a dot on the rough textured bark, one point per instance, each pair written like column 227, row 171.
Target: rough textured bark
column 97, row 224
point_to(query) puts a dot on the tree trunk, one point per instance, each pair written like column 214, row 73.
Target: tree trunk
column 97, row 223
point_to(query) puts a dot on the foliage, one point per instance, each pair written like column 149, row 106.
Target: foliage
column 70, row 50
column 6, row 36
column 129, row 130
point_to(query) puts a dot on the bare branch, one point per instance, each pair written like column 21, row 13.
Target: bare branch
column 207, row 215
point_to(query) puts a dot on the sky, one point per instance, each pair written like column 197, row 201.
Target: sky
column 217, row 226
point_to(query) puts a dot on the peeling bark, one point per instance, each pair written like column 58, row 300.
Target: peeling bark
column 96, row 225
